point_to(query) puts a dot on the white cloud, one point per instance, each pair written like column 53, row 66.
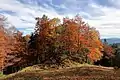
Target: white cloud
column 108, row 24
column 105, row 19
column 25, row 12
column 115, row 3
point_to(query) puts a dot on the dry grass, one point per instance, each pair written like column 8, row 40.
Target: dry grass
column 82, row 72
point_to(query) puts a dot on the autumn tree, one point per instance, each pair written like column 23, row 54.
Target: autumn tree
column 45, row 38
column 52, row 43
column 79, row 39
column 108, row 55
column 3, row 44
column 18, row 57
column 13, row 45
column 5, row 41
column 73, row 39
column 95, row 45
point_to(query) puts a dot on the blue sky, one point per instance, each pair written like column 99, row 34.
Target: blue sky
column 104, row 15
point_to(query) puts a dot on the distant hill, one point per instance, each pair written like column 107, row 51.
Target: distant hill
column 112, row 40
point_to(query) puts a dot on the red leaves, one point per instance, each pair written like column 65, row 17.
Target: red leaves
column 108, row 50
column 79, row 35
column 4, row 47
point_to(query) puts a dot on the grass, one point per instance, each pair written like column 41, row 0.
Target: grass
column 1, row 74
column 79, row 72
column 70, row 71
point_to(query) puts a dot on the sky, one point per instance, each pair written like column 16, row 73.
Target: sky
column 104, row 15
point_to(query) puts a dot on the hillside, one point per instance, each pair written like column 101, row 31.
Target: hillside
column 73, row 73
column 112, row 40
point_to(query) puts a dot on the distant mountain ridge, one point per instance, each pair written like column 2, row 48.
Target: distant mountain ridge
column 112, row 40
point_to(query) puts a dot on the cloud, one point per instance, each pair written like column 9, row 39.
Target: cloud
column 108, row 24
column 24, row 14
column 104, row 15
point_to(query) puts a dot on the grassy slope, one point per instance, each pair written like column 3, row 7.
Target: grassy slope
column 82, row 72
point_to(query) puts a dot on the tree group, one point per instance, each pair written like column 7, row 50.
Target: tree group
column 52, row 42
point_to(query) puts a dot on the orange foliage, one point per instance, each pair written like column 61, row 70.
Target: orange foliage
column 78, row 35
column 50, row 41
